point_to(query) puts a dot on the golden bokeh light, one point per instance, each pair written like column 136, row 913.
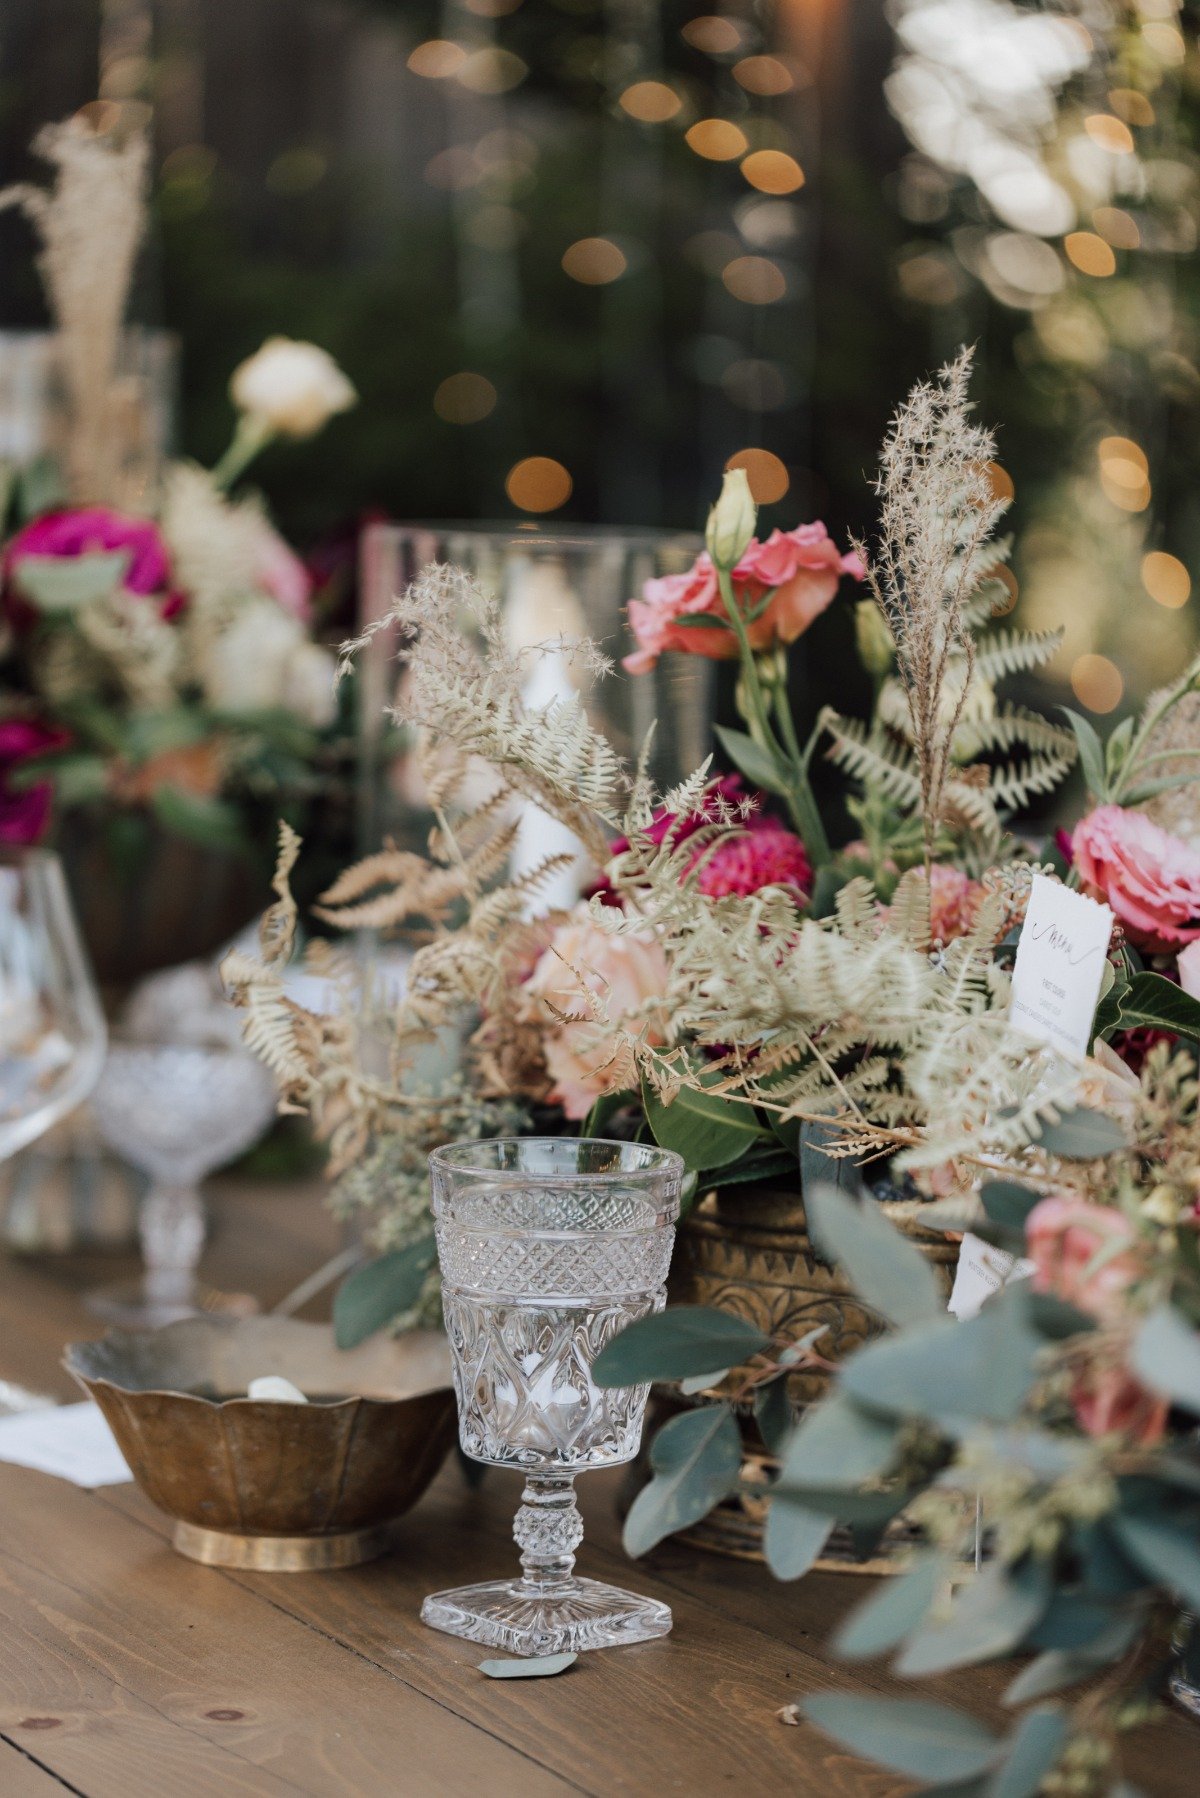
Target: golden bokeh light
column 1110, row 133
column 437, row 58
column 1097, row 683
column 1005, row 601
column 1165, row 40
column 768, row 477
column 712, row 34
column 717, row 140
column 1117, row 227
column 1000, row 481
column 763, row 75
column 1166, row 579
column 465, row 398
column 454, row 169
column 1131, row 106
column 1089, row 253
column 773, row 172
column 538, row 484
column 1124, row 460
column 492, row 71
column 755, row 279
column 653, row 102
column 595, row 261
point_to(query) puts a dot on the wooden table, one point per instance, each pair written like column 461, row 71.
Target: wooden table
column 127, row 1672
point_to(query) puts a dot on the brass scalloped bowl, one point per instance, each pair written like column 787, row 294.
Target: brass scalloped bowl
column 276, row 1487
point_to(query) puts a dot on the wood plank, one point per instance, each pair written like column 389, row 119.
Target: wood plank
column 22, row 1777
column 164, row 1680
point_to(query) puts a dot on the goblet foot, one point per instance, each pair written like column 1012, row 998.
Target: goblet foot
column 581, row 1613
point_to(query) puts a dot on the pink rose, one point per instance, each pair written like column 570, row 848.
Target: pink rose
column 799, row 568
column 1189, row 969
column 1084, row 1253
column 92, row 530
column 1150, row 878
column 25, row 811
column 280, row 572
column 627, row 974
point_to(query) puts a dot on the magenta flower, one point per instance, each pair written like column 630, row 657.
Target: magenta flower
column 25, row 811
column 93, row 530
column 762, row 853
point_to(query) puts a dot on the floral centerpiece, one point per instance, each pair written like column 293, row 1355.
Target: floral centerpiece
column 159, row 671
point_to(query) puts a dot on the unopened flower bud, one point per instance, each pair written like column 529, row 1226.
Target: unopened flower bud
column 874, row 638
column 731, row 521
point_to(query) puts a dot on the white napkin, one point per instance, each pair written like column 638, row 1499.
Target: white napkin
column 72, row 1442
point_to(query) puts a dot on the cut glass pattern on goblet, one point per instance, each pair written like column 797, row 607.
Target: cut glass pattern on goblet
column 549, row 1247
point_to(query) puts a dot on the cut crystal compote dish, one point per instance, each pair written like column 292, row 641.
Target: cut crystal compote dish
column 548, row 1247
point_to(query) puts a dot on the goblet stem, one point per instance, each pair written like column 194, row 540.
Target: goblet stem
column 548, row 1529
column 171, row 1227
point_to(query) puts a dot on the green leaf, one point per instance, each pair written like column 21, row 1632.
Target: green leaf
column 753, row 1167
column 1166, row 1355
column 1007, row 1203
column 212, row 822
column 1057, row 1319
column 1082, row 1135
column 1170, row 1554
column 702, row 1382
column 912, row 1736
column 541, row 1666
column 1155, row 1003
column 836, row 1443
column 750, row 759
column 1056, row 1668
column 670, row 1345
column 708, row 1131
column 1036, row 1744
column 883, row 1267
column 892, row 1612
column 603, row 1111
column 370, row 1297
column 65, row 583
column 697, row 1461
column 76, row 778
column 1091, row 754
column 794, row 1536
column 990, row 1617
column 869, row 1509
column 40, row 487
column 773, row 1413
column 981, row 1368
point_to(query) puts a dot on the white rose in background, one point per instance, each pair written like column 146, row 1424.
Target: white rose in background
column 263, row 661
column 308, row 685
column 293, row 388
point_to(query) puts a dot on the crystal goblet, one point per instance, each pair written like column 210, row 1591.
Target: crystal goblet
column 548, row 1247
column 177, row 1111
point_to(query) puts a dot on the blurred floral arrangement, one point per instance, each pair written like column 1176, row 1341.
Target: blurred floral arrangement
column 157, row 649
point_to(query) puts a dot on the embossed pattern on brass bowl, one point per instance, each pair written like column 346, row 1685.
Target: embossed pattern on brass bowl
column 254, row 1483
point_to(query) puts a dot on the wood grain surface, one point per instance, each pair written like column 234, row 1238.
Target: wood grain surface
column 127, row 1672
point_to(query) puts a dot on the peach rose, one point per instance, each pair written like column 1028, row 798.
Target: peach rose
column 627, row 974
column 1150, row 878
column 800, row 569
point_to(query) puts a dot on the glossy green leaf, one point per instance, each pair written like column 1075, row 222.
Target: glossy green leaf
column 750, row 759
column 696, row 1460
column 912, row 1736
column 1166, row 1355
column 1155, row 1003
column 370, row 1297
column 708, row 1131
column 990, row 1617
column 949, row 1371
column 1082, row 1135
column 670, row 1345
column 837, row 1443
column 883, row 1267
column 539, row 1666
column 794, row 1536
column 1036, row 1744
column 892, row 1612
column 777, row 1166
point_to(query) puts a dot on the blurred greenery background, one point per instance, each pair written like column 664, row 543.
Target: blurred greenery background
column 630, row 240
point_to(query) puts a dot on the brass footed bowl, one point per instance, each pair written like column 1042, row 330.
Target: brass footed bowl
column 259, row 1484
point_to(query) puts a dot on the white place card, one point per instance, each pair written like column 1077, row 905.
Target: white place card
column 1056, row 984
column 73, row 1442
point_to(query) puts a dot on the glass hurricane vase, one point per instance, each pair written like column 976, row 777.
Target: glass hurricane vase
column 548, row 1247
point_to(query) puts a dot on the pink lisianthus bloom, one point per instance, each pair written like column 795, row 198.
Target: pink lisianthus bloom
column 279, row 572
column 800, row 569
column 25, row 811
column 96, row 530
column 627, row 974
column 1150, row 878
column 762, row 853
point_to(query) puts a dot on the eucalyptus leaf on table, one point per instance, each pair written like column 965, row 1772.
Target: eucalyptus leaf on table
column 696, row 1461
column 372, row 1296
column 542, row 1666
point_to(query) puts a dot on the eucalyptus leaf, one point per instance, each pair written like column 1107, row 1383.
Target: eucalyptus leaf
column 678, row 1342
column 892, row 1612
column 1057, row 1319
column 1036, row 1744
column 1166, row 1355
column 1083, row 1135
column 696, row 1460
column 990, row 1617
column 370, row 1297
column 794, row 1536
column 61, row 584
column 1008, row 1203
column 702, row 1382
column 912, row 1736
column 773, row 1413
column 750, row 759
column 884, row 1268
column 542, row 1666
column 1057, row 1668
column 817, row 1168
column 708, row 1131
column 948, row 1371
column 1168, row 1552
column 837, row 1443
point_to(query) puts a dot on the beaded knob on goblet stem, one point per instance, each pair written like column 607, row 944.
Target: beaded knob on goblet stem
column 548, row 1247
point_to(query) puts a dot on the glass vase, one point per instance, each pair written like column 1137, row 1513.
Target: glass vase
column 548, row 1247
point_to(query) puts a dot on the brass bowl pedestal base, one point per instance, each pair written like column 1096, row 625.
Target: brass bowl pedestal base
column 281, row 1554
